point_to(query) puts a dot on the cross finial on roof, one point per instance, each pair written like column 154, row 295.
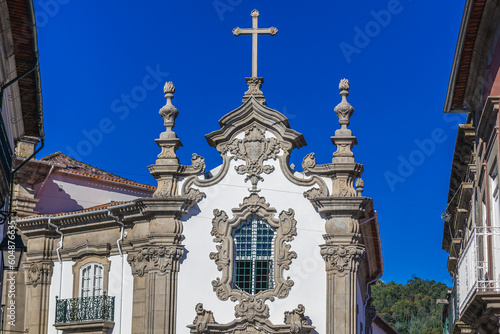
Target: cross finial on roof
column 255, row 31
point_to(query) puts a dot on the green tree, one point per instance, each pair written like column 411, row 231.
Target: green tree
column 410, row 308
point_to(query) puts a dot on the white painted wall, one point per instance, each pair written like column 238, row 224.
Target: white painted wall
column 307, row 271
column 66, row 193
column 115, row 277
column 65, row 292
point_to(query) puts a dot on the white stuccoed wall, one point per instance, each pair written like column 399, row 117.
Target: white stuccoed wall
column 115, row 276
column 66, row 289
column 307, row 271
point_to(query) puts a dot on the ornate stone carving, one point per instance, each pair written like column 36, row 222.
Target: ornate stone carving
column 254, row 149
column 167, row 169
column 359, row 186
column 169, row 112
column 254, row 86
column 313, row 193
column 222, row 228
column 254, row 321
column 33, row 274
column 162, row 259
column 342, row 258
column 203, row 318
column 251, row 309
column 195, row 195
column 344, row 110
column 38, row 273
column 296, row 319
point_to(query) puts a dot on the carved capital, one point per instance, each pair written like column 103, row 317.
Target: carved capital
column 342, row 259
column 38, row 273
column 158, row 258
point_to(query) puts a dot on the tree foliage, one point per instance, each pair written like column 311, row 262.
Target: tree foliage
column 410, row 308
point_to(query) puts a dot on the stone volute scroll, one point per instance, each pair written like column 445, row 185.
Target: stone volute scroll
column 295, row 323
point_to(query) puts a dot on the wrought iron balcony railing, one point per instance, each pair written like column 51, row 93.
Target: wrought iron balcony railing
column 85, row 309
column 479, row 265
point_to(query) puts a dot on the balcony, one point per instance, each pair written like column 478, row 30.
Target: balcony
column 479, row 271
column 89, row 313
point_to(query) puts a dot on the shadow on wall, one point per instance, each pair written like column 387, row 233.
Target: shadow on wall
column 53, row 199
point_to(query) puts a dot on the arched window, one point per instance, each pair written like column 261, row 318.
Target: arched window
column 253, row 269
column 91, row 280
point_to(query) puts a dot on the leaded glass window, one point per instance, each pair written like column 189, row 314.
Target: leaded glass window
column 253, row 269
column 91, row 280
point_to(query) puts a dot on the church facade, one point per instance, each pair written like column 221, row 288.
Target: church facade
column 252, row 246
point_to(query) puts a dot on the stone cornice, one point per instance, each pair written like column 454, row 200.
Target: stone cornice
column 77, row 221
column 330, row 206
column 309, row 165
column 167, row 206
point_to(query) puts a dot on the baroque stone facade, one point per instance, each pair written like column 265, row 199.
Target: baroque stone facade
column 253, row 243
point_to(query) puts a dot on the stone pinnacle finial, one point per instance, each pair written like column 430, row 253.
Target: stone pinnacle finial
column 360, row 184
column 169, row 112
column 343, row 139
column 344, row 110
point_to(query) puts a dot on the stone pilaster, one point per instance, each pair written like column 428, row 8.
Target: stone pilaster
column 155, row 288
column 342, row 253
column 156, row 240
column 38, row 277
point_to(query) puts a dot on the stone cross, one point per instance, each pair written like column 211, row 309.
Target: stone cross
column 255, row 31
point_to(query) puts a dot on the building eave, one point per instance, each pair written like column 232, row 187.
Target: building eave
column 462, row 60
column 460, row 164
column 25, row 40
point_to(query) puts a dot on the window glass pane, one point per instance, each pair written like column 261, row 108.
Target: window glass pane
column 253, row 256
column 92, row 280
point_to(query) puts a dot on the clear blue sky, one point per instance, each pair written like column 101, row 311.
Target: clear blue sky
column 103, row 65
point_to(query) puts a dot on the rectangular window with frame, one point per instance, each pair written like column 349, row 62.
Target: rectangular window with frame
column 253, row 256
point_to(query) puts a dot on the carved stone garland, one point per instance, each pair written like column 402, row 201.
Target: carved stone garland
column 255, row 148
column 251, row 307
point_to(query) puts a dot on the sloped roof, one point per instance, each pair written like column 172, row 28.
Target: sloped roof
column 74, row 165
column 24, row 38
column 253, row 112
column 471, row 42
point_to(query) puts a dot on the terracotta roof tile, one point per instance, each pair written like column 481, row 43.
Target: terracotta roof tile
column 76, row 167
column 111, row 179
